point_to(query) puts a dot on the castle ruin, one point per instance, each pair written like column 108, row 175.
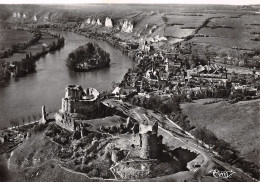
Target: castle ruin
column 76, row 101
column 149, row 141
column 79, row 100
column 43, row 120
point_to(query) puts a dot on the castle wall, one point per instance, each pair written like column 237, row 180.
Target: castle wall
column 132, row 173
column 78, row 100
column 64, row 122
column 79, row 106
column 73, row 92
column 84, row 106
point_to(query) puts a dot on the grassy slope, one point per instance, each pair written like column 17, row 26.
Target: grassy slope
column 238, row 124
column 37, row 149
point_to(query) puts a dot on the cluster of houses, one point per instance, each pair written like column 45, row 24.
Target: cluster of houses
column 166, row 74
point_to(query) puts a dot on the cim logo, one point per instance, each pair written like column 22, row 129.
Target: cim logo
column 222, row 174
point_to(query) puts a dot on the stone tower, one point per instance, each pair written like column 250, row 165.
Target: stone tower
column 44, row 120
column 149, row 143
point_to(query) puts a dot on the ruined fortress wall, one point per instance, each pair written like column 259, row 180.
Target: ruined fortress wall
column 68, row 124
column 80, row 106
column 73, row 92
column 84, row 106
column 93, row 91
column 150, row 147
column 132, row 173
column 77, row 100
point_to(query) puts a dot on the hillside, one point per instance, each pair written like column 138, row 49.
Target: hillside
column 237, row 124
column 222, row 29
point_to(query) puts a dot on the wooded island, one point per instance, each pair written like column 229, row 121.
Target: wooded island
column 88, row 57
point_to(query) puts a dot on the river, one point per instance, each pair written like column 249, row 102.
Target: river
column 23, row 97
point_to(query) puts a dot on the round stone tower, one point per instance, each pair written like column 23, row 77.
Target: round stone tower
column 149, row 145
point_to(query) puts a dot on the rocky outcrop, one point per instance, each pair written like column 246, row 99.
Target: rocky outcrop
column 14, row 15
column 88, row 21
column 18, row 15
column 127, row 27
column 108, row 22
column 93, row 22
column 98, row 22
column 35, row 18
column 25, row 16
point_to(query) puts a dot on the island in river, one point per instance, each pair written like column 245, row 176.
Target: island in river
column 88, row 57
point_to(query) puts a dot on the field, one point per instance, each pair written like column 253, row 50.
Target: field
column 237, row 124
column 9, row 37
column 176, row 31
column 230, row 32
column 34, row 49
column 228, row 27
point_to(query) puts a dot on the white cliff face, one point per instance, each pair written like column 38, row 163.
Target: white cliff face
column 98, row 22
column 24, row 15
column 19, row 15
column 127, row 27
column 14, row 15
column 93, row 22
column 108, row 22
column 88, row 21
column 35, row 18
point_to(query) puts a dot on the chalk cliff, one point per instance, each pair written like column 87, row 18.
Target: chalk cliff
column 108, row 22
column 127, row 27
column 98, row 22
column 93, row 22
column 35, row 18
column 88, row 21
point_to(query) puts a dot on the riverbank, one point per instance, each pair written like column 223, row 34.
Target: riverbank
column 20, row 59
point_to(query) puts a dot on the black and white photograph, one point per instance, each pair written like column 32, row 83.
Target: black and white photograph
column 132, row 90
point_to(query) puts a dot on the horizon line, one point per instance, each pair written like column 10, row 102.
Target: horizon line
column 74, row 4
column 131, row 2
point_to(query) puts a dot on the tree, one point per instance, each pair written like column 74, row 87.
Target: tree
column 23, row 120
